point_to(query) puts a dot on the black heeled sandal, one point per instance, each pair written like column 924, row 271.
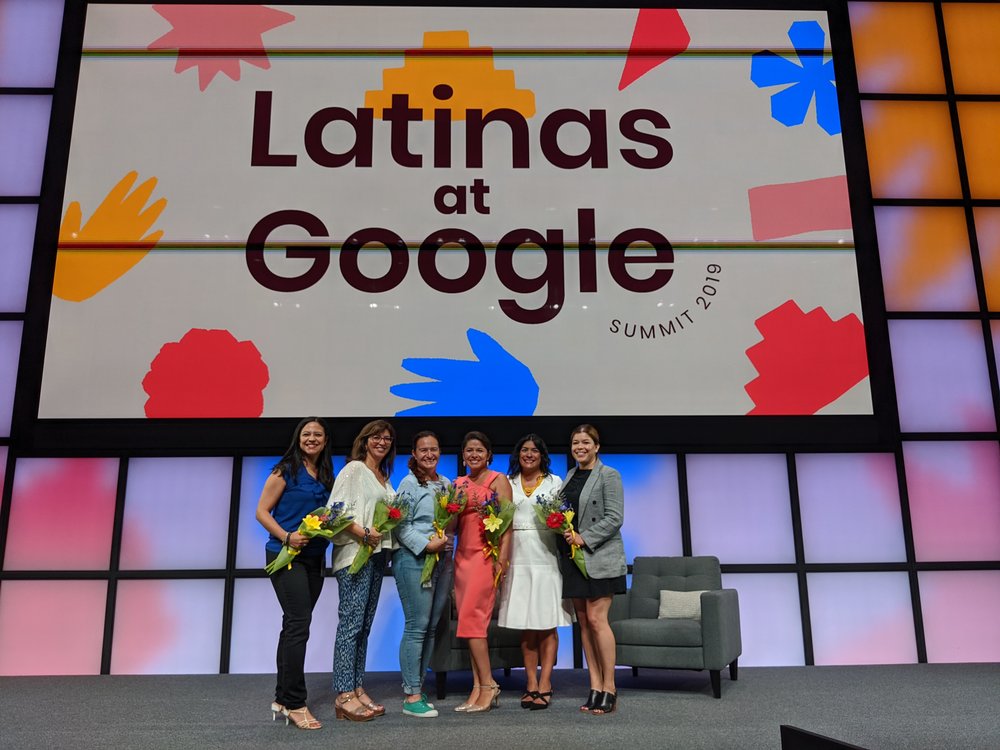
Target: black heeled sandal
column 606, row 704
column 544, row 698
column 591, row 701
column 529, row 697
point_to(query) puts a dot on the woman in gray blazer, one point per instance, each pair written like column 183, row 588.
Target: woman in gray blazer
column 594, row 491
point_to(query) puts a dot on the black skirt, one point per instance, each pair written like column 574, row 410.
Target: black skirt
column 575, row 586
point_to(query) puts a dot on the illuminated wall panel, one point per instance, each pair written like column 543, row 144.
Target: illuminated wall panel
column 24, row 125
column 896, row 48
column 942, row 382
column 911, row 153
column 961, row 610
column 29, row 42
column 257, row 622
column 973, row 32
column 954, row 499
column 740, row 508
column 10, row 344
column 169, row 499
column 77, row 493
column 167, row 627
column 988, row 233
column 980, row 122
column 770, row 619
column 652, row 513
column 251, row 537
column 17, row 228
column 849, row 503
column 926, row 264
column 52, row 627
column 861, row 618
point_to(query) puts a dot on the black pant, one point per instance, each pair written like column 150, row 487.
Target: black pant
column 298, row 589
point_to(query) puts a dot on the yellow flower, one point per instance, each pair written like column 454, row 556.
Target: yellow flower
column 492, row 523
column 312, row 522
column 569, row 516
column 443, row 502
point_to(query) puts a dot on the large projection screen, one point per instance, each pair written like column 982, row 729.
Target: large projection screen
column 421, row 211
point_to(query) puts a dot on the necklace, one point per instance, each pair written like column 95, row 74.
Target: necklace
column 527, row 492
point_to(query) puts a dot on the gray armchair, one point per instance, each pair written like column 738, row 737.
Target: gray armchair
column 643, row 640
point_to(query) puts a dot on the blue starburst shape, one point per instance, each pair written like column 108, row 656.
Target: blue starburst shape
column 812, row 78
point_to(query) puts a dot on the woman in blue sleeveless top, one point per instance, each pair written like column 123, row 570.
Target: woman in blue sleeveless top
column 299, row 483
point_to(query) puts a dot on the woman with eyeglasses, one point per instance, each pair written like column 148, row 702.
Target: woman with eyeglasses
column 475, row 593
column 594, row 492
column 531, row 600
column 361, row 484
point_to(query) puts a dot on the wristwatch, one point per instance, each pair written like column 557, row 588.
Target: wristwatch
column 367, row 533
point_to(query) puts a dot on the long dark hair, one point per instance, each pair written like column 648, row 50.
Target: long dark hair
column 544, row 463
column 293, row 459
column 412, row 464
column 359, row 451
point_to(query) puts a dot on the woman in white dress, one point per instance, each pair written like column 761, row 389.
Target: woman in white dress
column 531, row 600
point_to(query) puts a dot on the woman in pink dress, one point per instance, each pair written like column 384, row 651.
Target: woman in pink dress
column 474, row 573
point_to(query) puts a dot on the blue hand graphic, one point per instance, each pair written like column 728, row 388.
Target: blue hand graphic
column 495, row 384
column 812, row 78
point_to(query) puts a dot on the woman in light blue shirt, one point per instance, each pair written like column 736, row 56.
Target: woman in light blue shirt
column 417, row 539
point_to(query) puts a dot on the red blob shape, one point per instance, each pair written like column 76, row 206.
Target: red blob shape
column 792, row 208
column 206, row 374
column 659, row 35
column 214, row 38
column 806, row 360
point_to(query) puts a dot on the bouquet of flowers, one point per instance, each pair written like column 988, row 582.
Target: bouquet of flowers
column 496, row 518
column 325, row 521
column 448, row 504
column 388, row 514
column 556, row 514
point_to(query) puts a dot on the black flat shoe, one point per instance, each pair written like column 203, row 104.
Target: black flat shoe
column 606, row 704
column 591, row 701
column 529, row 697
column 544, row 697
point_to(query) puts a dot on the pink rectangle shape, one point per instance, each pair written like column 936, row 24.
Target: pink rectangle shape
column 792, row 208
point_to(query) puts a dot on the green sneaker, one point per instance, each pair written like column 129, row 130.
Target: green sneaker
column 419, row 709
column 423, row 697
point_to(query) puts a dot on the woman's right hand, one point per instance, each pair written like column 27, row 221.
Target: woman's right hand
column 374, row 538
column 436, row 544
column 297, row 540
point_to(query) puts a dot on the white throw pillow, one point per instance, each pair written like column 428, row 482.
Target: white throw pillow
column 680, row 605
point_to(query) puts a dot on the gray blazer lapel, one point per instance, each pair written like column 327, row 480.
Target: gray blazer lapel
column 588, row 488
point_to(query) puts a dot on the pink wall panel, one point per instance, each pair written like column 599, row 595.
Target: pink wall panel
column 52, row 627
column 961, row 612
column 954, row 491
column 81, row 491
column 167, row 627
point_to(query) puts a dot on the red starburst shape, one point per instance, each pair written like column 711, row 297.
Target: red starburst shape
column 806, row 360
column 215, row 38
column 208, row 373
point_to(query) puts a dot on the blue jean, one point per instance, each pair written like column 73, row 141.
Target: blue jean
column 418, row 636
column 358, row 599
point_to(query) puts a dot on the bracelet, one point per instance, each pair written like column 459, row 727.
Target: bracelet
column 288, row 536
column 367, row 534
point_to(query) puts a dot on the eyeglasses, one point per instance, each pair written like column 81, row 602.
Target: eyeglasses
column 386, row 439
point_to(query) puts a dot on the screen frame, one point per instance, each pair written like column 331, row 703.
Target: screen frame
column 736, row 433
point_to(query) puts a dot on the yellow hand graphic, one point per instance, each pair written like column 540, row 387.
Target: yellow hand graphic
column 109, row 244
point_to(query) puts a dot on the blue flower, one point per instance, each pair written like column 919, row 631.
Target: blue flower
column 813, row 77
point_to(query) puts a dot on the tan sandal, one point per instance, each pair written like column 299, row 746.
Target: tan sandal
column 302, row 719
column 360, row 714
column 377, row 709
